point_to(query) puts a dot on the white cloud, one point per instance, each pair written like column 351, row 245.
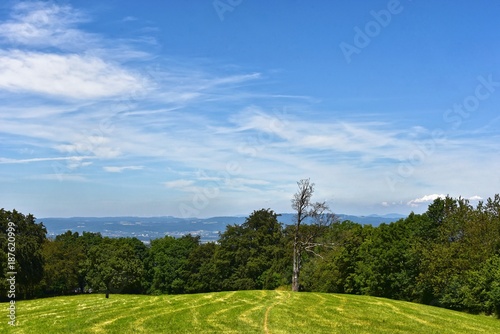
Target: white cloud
column 96, row 146
column 46, row 24
column 424, row 199
column 370, row 139
column 179, row 184
column 71, row 76
column 24, row 161
column 115, row 169
column 129, row 18
column 60, row 177
column 429, row 198
column 79, row 65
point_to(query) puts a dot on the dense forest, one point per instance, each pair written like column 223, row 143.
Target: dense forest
column 448, row 256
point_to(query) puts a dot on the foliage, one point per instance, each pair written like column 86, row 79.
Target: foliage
column 115, row 265
column 167, row 262
column 29, row 263
column 251, row 255
column 448, row 256
column 201, row 274
column 64, row 264
column 335, row 269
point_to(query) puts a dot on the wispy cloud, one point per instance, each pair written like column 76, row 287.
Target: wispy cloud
column 179, row 184
column 129, row 18
column 32, row 160
column 42, row 24
column 71, row 76
column 78, row 66
column 60, row 177
column 115, row 169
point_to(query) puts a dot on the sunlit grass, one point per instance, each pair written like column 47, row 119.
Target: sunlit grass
column 239, row 312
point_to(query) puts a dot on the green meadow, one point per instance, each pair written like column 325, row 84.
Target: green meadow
column 239, row 312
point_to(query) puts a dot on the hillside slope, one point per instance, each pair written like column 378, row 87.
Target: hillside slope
column 239, row 312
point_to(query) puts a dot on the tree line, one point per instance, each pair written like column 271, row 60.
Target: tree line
column 448, row 256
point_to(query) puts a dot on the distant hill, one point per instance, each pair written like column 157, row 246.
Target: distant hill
column 147, row 228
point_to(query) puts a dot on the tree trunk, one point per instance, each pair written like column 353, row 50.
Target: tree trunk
column 305, row 209
column 296, row 267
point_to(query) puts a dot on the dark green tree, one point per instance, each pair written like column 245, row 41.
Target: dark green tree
column 64, row 261
column 115, row 265
column 29, row 238
column 463, row 240
column 88, row 240
column 385, row 267
column 200, row 273
column 251, row 255
column 335, row 270
column 167, row 264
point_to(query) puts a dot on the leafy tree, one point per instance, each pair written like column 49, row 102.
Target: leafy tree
column 114, row 265
column 136, row 281
column 385, row 268
column 465, row 238
column 200, row 272
column 88, row 240
column 476, row 291
column 250, row 255
column 335, row 270
column 29, row 238
column 64, row 260
column 167, row 263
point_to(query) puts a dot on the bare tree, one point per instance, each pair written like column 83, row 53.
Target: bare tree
column 318, row 214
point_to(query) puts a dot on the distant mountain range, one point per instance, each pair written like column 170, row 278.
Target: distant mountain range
column 147, row 228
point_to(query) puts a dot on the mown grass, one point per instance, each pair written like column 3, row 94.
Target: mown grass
column 239, row 312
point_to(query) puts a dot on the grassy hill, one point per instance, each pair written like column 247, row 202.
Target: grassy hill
column 239, row 312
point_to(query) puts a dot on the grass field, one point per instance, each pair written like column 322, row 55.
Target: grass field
column 238, row 312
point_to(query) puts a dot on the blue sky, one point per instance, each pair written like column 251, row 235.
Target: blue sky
column 204, row 108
